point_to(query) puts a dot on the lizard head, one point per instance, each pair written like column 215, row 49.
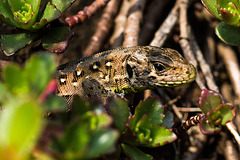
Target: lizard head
column 157, row 67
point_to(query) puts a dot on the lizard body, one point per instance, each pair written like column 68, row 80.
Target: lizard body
column 123, row 70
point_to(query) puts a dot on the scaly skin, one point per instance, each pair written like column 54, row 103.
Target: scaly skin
column 123, row 70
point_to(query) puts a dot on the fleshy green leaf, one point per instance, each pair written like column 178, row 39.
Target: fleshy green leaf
column 21, row 123
column 25, row 12
column 153, row 108
column 62, row 4
column 76, row 140
column 134, row 153
column 227, row 112
column 6, row 13
column 49, row 14
column 209, row 100
column 56, row 39
column 143, row 130
column 118, row 109
column 55, row 104
column 228, row 34
column 161, row 136
column 39, row 71
column 102, row 141
column 207, row 128
column 229, row 11
column 168, row 119
column 12, row 43
column 15, row 80
column 80, row 106
column 96, row 121
column 211, row 6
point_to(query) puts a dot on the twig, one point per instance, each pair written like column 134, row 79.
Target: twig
column 131, row 33
column 184, row 109
column 116, row 39
column 232, row 65
column 166, row 27
column 234, row 132
column 205, row 68
column 152, row 16
column 227, row 147
column 184, row 39
column 86, row 13
column 102, row 28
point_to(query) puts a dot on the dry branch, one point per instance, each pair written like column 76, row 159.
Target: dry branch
column 87, row 12
column 154, row 12
column 102, row 28
column 166, row 27
column 116, row 39
column 131, row 33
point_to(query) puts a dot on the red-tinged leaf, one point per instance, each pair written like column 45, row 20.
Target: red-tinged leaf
column 227, row 112
column 209, row 100
column 56, row 39
column 211, row 6
column 207, row 128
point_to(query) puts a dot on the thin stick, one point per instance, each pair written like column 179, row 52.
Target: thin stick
column 131, row 33
column 166, row 27
column 207, row 73
column 116, row 39
column 151, row 18
column 86, row 13
column 234, row 132
column 102, row 28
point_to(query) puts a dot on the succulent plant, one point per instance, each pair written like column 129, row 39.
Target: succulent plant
column 32, row 16
column 227, row 11
column 216, row 112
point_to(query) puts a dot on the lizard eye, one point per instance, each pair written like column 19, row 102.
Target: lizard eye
column 158, row 67
column 129, row 71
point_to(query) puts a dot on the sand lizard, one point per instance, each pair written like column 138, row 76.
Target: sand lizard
column 123, row 70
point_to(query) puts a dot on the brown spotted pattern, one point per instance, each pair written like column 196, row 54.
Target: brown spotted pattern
column 123, row 70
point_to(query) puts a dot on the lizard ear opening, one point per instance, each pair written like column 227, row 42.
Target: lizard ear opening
column 129, row 71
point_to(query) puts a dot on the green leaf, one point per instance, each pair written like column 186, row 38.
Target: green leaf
column 49, row 14
column 12, row 43
column 168, row 119
column 211, row 6
column 209, row 100
column 143, row 130
column 80, row 106
column 76, row 139
column 95, row 121
column 161, row 136
column 118, row 109
column 102, row 141
column 40, row 70
column 15, row 80
column 55, row 104
column 56, row 39
column 62, row 4
column 228, row 34
column 153, row 108
column 207, row 128
column 6, row 14
column 21, row 123
column 25, row 12
column 227, row 112
column 134, row 153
